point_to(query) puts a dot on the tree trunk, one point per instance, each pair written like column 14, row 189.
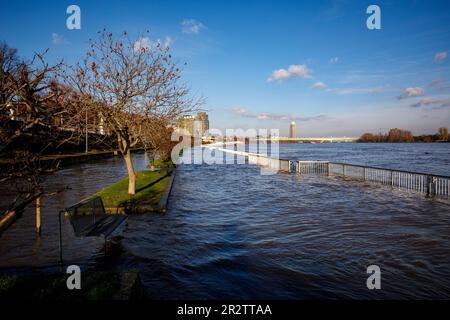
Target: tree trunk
column 38, row 215
column 131, row 173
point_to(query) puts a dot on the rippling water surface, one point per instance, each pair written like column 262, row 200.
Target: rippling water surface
column 422, row 157
column 233, row 233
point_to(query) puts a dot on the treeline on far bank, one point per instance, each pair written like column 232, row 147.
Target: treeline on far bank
column 399, row 135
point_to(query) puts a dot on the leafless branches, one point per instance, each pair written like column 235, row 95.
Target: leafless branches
column 131, row 87
column 36, row 112
column 123, row 89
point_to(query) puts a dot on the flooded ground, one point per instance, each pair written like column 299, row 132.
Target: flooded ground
column 233, row 233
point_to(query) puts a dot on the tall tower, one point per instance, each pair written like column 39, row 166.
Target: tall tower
column 293, row 130
column 204, row 119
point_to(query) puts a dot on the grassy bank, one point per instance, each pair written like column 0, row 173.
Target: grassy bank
column 162, row 164
column 150, row 186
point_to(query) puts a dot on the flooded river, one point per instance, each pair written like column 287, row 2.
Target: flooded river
column 232, row 233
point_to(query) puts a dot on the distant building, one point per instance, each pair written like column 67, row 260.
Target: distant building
column 204, row 120
column 293, row 130
column 198, row 125
column 186, row 122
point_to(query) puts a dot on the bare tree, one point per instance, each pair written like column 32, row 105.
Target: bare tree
column 443, row 133
column 127, row 82
column 9, row 62
column 30, row 101
column 399, row 135
column 156, row 138
column 29, row 97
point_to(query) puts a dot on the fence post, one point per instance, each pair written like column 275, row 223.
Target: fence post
column 433, row 186
column 430, row 189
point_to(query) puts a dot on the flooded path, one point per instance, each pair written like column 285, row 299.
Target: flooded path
column 232, row 233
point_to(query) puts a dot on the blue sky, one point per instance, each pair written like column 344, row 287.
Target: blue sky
column 262, row 64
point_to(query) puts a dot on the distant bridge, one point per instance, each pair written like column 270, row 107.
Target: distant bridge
column 308, row 139
column 315, row 139
column 283, row 140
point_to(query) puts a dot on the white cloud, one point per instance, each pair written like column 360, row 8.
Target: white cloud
column 168, row 41
column 333, row 60
column 412, row 92
column 440, row 56
column 348, row 91
column 57, row 38
column 319, row 85
column 142, row 43
column 430, row 101
column 242, row 112
column 301, row 71
column 146, row 43
column 191, row 26
column 239, row 111
column 436, row 83
column 376, row 119
column 280, row 74
column 439, row 84
column 263, row 116
column 371, row 117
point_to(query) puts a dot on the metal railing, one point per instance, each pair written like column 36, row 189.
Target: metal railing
column 429, row 184
column 312, row 167
column 435, row 185
column 421, row 182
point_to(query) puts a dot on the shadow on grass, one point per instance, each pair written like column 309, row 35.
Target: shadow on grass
column 144, row 198
column 152, row 183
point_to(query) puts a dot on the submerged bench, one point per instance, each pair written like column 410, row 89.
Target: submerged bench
column 89, row 219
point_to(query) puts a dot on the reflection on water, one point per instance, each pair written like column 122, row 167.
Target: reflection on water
column 232, row 233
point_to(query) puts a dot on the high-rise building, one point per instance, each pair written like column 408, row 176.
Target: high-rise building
column 204, row 120
column 199, row 123
column 293, row 130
